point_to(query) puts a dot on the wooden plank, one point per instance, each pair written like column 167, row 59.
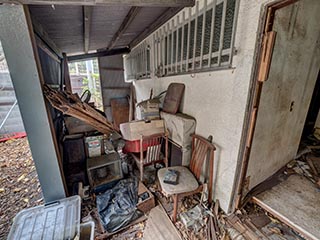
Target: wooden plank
column 137, row 3
column 104, row 53
column 120, row 111
column 164, row 231
column 112, row 69
column 296, row 203
column 266, row 56
column 241, row 227
column 87, row 19
column 124, row 26
column 66, row 75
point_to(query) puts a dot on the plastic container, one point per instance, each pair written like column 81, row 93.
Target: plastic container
column 57, row 220
column 87, row 231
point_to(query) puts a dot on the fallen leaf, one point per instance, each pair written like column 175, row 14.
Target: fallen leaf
column 275, row 230
column 21, row 177
column 16, row 190
column 2, row 190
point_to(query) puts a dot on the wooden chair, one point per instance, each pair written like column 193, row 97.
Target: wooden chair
column 150, row 151
column 189, row 178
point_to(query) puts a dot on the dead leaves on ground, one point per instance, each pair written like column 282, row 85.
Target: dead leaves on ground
column 19, row 184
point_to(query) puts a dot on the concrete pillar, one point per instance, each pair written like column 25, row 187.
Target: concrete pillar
column 22, row 58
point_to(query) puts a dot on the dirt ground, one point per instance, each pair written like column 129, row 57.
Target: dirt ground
column 19, row 184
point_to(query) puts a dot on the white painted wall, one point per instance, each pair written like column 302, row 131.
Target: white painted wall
column 293, row 74
column 218, row 99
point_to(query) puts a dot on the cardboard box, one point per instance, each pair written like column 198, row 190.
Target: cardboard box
column 150, row 109
column 133, row 130
column 180, row 127
column 94, row 146
column 147, row 204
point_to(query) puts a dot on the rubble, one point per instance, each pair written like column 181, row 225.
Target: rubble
column 20, row 187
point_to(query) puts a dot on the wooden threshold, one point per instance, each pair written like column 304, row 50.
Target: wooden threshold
column 284, row 219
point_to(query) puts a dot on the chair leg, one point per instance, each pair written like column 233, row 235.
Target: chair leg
column 175, row 207
column 141, row 172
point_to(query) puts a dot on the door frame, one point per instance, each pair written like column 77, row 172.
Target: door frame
column 260, row 74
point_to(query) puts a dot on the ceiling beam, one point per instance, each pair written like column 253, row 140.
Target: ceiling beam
column 87, row 19
column 156, row 24
column 104, row 53
column 124, row 26
column 136, row 3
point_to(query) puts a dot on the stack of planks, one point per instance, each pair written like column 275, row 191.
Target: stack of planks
column 72, row 105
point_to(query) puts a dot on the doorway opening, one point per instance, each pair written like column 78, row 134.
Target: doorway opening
column 278, row 172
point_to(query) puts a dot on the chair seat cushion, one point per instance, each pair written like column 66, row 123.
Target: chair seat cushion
column 186, row 181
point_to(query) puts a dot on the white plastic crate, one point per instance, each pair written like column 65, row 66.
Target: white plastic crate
column 59, row 220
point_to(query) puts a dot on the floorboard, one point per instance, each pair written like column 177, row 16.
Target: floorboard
column 296, row 202
column 159, row 226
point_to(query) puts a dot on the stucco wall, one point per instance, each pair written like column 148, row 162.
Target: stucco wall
column 218, row 99
column 286, row 95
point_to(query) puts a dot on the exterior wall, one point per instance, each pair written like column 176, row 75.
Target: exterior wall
column 286, row 95
column 218, row 99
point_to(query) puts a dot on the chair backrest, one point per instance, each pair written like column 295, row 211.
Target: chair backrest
column 150, row 148
column 201, row 149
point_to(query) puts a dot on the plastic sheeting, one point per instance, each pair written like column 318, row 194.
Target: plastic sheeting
column 117, row 206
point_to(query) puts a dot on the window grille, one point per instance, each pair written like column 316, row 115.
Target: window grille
column 137, row 63
column 201, row 40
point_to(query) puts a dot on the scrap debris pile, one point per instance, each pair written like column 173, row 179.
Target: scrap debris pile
column 252, row 222
column 19, row 184
column 307, row 161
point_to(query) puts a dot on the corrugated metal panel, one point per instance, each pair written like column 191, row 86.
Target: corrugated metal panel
column 112, row 78
column 105, row 23
column 50, row 68
column 112, row 81
column 64, row 25
column 144, row 18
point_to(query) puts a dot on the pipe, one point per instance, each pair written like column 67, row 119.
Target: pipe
column 8, row 114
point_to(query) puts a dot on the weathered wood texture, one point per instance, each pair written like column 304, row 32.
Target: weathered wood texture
column 71, row 104
column 120, row 111
column 159, row 226
column 295, row 202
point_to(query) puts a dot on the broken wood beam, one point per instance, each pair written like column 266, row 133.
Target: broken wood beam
column 116, row 51
column 234, row 221
column 71, row 104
